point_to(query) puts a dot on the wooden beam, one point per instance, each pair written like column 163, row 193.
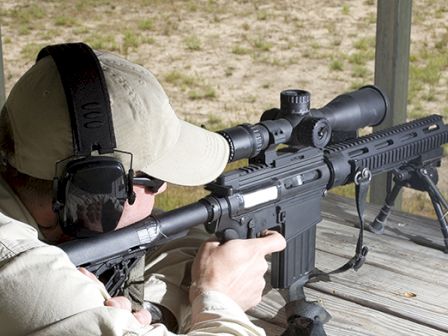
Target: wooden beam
column 2, row 74
column 393, row 35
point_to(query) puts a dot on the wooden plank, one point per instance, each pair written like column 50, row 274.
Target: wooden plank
column 393, row 31
column 348, row 318
column 385, row 290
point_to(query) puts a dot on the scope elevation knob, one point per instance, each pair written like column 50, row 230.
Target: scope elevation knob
column 315, row 132
column 295, row 102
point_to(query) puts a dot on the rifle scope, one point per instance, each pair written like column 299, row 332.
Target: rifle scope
column 296, row 124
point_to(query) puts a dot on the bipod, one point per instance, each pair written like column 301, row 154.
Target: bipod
column 305, row 318
column 418, row 178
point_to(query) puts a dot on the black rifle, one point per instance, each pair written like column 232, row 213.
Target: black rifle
column 282, row 186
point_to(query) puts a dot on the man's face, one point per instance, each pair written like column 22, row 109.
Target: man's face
column 142, row 207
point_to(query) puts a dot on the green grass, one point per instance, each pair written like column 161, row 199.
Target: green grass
column 345, row 9
column 428, row 73
column 365, row 44
column 336, row 65
column 180, row 79
column 131, row 40
column 102, row 42
column 24, row 30
column 176, row 196
column 262, row 45
column 240, row 50
column 356, row 84
column 146, row 24
column 29, row 51
column 262, row 15
column 65, row 21
column 194, row 86
column 202, row 92
column 360, row 71
column 359, row 58
column 215, row 123
column 193, row 43
column 427, row 70
column 25, row 14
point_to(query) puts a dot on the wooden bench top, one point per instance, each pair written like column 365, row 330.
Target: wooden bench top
column 402, row 289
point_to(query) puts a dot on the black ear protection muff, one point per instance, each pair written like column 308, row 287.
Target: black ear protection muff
column 90, row 190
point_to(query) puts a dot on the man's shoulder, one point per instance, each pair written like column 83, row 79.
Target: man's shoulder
column 16, row 237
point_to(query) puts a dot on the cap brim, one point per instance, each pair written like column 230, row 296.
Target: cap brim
column 198, row 157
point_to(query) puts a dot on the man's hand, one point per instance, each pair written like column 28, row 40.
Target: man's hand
column 142, row 316
column 235, row 268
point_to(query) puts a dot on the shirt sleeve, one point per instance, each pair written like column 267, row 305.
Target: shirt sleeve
column 215, row 313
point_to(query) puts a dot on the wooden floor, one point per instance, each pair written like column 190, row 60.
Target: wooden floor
column 402, row 289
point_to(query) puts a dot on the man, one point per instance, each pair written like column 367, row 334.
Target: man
column 42, row 292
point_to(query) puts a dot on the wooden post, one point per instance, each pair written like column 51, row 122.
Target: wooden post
column 2, row 74
column 393, row 35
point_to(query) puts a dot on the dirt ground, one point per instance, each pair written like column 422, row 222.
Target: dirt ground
column 225, row 62
column 283, row 44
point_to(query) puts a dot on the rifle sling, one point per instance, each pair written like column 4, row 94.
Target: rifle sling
column 362, row 182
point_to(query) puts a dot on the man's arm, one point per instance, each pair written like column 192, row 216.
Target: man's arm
column 44, row 294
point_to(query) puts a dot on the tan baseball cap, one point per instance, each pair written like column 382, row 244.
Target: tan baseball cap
column 145, row 124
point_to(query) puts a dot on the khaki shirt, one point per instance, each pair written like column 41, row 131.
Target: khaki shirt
column 42, row 293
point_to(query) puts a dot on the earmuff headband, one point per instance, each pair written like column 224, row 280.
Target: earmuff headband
column 87, row 97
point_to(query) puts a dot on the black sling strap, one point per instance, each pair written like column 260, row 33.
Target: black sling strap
column 87, row 97
column 362, row 182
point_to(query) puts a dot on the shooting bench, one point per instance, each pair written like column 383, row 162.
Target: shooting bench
column 402, row 288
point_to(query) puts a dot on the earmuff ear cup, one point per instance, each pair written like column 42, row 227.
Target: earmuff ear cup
column 90, row 195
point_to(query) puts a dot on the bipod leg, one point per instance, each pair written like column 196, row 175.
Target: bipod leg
column 377, row 225
column 438, row 201
column 305, row 318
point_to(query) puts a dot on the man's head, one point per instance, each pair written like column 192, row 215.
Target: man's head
column 162, row 146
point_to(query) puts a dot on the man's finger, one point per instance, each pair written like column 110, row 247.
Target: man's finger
column 89, row 275
column 209, row 245
column 272, row 241
column 143, row 316
column 118, row 302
